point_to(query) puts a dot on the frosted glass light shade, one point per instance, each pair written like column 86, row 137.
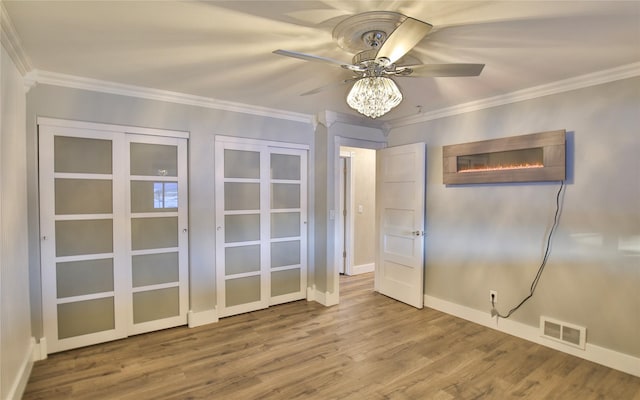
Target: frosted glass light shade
column 374, row 96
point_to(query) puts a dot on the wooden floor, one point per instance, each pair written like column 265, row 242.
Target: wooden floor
column 368, row 347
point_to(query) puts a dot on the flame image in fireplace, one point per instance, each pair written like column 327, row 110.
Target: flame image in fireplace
column 501, row 160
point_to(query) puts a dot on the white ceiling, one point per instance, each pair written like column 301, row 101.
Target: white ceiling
column 222, row 49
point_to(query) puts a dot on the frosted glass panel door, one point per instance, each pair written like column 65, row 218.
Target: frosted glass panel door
column 241, row 255
column 158, row 232
column 261, row 225
column 288, row 233
column 79, row 250
column 113, row 215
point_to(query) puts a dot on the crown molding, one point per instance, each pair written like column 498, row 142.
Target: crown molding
column 579, row 82
column 11, row 42
column 333, row 117
column 77, row 82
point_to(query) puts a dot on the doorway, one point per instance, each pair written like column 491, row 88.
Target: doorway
column 348, row 146
column 399, row 232
column 357, row 212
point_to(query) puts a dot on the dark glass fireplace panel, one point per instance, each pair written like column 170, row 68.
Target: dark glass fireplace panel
column 512, row 159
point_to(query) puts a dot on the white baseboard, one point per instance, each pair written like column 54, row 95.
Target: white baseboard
column 325, row 298
column 311, row 293
column 609, row 358
column 20, row 383
column 199, row 318
column 39, row 350
column 363, row 268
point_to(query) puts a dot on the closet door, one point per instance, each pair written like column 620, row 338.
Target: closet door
column 82, row 287
column 158, row 235
column 113, row 219
column 288, row 224
column 261, row 232
column 242, row 252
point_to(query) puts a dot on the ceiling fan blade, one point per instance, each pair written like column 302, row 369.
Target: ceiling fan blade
column 329, row 86
column 309, row 57
column 436, row 70
column 403, row 38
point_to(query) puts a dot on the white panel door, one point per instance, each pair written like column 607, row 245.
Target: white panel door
column 400, row 211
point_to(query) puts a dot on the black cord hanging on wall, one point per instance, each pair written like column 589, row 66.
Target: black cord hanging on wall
column 547, row 251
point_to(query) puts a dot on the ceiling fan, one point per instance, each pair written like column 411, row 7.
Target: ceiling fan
column 381, row 41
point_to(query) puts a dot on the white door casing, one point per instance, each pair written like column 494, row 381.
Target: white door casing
column 400, row 200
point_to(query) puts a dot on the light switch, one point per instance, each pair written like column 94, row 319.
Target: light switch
column 360, row 208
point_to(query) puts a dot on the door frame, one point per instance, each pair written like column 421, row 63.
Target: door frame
column 346, row 222
column 340, row 141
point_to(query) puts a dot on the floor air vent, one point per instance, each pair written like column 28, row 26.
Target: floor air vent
column 563, row 332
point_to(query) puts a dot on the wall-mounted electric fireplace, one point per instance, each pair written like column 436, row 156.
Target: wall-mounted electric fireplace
column 526, row 158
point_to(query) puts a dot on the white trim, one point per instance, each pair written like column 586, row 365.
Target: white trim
column 311, row 293
column 158, row 286
column 327, row 299
column 346, row 205
column 16, row 390
column 82, row 217
column 363, row 268
column 85, row 297
column 259, row 142
column 329, row 118
column 120, row 129
column 242, row 275
column 158, row 214
column 39, row 350
column 199, row 318
column 84, row 257
column 77, row 82
column 609, row 358
column 12, row 44
column 73, row 175
column 566, row 85
column 163, row 250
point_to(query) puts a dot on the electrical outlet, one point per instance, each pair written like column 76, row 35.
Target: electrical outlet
column 493, row 296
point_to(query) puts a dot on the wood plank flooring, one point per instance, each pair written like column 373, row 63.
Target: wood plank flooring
column 367, row 347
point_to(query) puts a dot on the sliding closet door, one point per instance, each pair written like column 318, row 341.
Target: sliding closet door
column 113, row 218
column 261, row 232
column 82, row 286
column 241, row 253
column 158, row 235
column 288, row 220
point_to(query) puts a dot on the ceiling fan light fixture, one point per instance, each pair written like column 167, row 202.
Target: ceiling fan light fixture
column 374, row 96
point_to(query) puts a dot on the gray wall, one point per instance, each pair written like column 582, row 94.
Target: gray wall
column 482, row 237
column 15, row 326
column 203, row 124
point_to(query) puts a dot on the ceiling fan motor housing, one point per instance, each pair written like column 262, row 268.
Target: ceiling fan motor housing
column 366, row 31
